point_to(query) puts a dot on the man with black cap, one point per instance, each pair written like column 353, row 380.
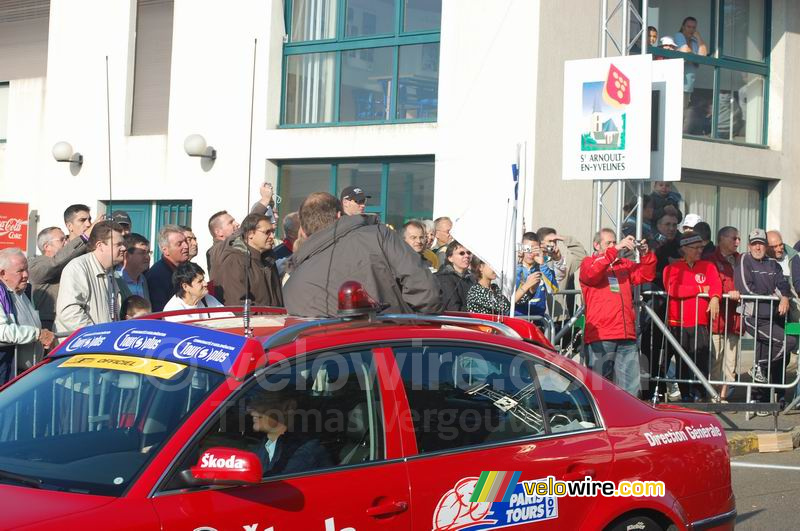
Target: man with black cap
column 354, row 200
column 758, row 274
column 123, row 219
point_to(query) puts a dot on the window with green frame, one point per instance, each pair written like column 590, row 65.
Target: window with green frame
column 399, row 189
column 360, row 62
column 725, row 91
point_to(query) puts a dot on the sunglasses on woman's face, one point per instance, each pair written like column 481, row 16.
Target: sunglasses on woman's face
column 464, row 253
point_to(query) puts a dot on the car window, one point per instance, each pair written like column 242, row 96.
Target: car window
column 318, row 412
column 464, row 397
column 567, row 403
column 89, row 423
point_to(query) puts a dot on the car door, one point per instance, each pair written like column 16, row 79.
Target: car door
column 489, row 419
column 336, row 404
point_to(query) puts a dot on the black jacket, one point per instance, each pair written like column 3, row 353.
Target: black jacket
column 361, row 249
column 159, row 282
column 760, row 277
column 453, row 288
column 293, row 453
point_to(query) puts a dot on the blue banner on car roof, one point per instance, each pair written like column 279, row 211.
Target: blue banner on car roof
column 191, row 345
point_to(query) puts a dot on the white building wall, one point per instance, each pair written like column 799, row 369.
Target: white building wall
column 500, row 84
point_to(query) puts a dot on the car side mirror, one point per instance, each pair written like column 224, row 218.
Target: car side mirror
column 225, row 466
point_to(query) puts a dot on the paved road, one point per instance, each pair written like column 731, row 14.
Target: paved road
column 767, row 498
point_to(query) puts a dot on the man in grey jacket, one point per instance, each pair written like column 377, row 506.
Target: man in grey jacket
column 341, row 248
column 84, row 297
column 45, row 270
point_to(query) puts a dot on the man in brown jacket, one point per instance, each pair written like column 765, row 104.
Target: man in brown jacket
column 249, row 254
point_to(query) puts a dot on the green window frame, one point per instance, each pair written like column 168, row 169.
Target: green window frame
column 426, row 91
column 722, row 63
column 411, row 207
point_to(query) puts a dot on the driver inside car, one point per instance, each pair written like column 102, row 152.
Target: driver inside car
column 281, row 450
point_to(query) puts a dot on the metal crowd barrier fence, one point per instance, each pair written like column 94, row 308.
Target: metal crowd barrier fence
column 745, row 347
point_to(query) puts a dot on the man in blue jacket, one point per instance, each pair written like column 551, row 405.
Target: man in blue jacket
column 534, row 301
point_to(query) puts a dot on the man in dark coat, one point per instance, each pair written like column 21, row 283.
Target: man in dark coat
column 250, row 254
column 341, row 248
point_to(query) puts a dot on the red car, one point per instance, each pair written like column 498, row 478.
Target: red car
column 360, row 422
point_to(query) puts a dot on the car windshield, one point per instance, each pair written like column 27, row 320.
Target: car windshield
column 90, row 423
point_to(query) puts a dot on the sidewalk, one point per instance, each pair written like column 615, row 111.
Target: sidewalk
column 743, row 434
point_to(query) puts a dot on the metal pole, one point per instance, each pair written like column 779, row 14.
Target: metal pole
column 645, row 36
column 626, row 26
column 604, row 30
column 682, row 353
column 620, row 200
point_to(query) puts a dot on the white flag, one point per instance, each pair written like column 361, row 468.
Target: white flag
column 489, row 229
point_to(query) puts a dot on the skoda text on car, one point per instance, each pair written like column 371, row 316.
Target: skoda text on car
column 389, row 422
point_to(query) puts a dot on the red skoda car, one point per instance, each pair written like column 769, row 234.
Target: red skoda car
column 359, row 422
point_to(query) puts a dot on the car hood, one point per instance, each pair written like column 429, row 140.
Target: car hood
column 24, row 506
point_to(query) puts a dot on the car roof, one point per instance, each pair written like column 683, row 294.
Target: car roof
column 220, row 343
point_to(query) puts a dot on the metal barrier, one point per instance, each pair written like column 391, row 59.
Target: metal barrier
column 722, row 349
column 722, row 345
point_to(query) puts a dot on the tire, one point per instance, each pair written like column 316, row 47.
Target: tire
column 635, row 523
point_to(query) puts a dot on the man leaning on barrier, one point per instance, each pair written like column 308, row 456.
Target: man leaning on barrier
column 693, row 291
column 758, row 274
column 606, row 281
column 726, row 328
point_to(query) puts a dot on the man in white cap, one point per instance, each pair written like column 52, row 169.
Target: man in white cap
column 690, row 221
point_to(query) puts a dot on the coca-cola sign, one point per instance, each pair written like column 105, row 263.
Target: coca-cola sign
column 14, row 225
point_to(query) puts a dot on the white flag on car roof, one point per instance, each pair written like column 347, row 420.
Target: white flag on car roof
column 490, row 230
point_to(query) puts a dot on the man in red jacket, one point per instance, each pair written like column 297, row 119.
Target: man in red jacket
column 688, row 314
column 726, row 328
column 610, row 334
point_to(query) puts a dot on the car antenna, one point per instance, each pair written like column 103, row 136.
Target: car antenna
column 112, row 282
column 248, row 330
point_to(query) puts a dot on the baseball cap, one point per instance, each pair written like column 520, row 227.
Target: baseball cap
column 690, row 239
column 121, row 217
column 757, row 235
column 667, row 41
column 354, row 193
column 691, row 220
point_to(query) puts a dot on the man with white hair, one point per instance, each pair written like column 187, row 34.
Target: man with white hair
column 20, row 328
column 174, row 252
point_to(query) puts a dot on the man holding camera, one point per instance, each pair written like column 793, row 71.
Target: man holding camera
column 533, row 279
column 607, row 280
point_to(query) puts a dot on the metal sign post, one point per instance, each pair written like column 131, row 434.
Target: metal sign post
column 625, row 11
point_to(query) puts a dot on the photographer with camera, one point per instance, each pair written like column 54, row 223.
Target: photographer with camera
column 533, row 280
column 607, row 281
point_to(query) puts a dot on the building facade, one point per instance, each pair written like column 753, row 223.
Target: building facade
column 424, row 103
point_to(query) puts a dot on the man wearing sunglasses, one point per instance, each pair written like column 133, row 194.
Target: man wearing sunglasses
column 354, row 200
column 250, row 254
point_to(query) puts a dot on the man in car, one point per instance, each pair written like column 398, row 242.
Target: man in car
column 282, row 451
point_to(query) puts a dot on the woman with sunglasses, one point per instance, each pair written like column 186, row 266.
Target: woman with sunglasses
column 454, row 278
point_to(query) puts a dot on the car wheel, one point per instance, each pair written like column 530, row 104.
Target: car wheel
column 637, row 523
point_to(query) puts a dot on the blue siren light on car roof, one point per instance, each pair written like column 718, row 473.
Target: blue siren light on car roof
column 354, row 300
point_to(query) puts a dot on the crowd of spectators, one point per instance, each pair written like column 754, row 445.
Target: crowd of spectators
column 101, row 271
